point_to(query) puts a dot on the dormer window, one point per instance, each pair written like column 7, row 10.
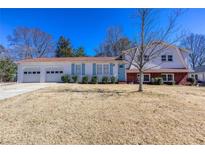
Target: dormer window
column 170, row 58
column 163, row 58
column 146, row 58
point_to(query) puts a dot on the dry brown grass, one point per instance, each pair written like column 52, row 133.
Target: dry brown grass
column 105, row 114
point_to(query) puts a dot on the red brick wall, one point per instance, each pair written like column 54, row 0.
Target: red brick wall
column 180, row 78
column 131, row 77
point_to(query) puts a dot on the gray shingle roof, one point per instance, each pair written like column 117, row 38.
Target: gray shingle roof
column 200, row 69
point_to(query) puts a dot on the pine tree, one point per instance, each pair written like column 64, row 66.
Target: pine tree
column 64, row 48
column 80, row 52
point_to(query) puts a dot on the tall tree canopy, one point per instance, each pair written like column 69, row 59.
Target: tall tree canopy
column 79, row 52
column 114, row 43
column 64, row 48
column 150, row 38
column 30, row 42
column 195, row 43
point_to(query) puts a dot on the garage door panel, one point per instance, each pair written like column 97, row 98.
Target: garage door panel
column 31, row 75
column 54, row 74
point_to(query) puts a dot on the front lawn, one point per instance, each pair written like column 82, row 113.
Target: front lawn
column 105, row 114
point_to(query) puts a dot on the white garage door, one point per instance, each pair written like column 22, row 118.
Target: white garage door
column 54, row 74
column 31, row 75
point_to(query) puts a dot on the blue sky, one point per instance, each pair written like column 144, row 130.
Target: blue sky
column 86, row 27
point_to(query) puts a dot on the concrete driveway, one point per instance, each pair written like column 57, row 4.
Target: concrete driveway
column 14, row 89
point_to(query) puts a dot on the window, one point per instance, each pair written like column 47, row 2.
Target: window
column 106, row 69
column 146, row 77
column 61, row 72
column 29, row 72
column 99, row 69
column 34, row 72
column 52, row 72
column 146, row 58
column 48, row 72
column 168, row 77
column 25, row 72
column 56, row 72
column 78, row 69
column 121, row 66
column 163, row 58
column 164, row 77
column 170, row 58
column 196, row 76
column 38, row 72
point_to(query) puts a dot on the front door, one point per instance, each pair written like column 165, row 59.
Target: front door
column 121, row 72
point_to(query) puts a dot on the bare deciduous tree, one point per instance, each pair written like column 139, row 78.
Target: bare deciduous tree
column 114, row 43
column 151, row 38
column 3, row 52
column 30, row 42
column 196, row 45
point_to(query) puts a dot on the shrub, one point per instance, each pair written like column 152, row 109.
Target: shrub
column 8, row 70
column 157, row 81
column 112, row 79
column 75, row 78
column 85, row 79
column 152, row 80
column 94, row 79
column 191, row 80
column 65, row 78
column 105, row 79
column 160, row 81
column 173, row 83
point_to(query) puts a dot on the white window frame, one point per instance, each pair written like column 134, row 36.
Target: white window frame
column 143, row 78
column 167, row 77
column 165, row 58
column 76, row 69
column 108, row 69
column 101, row 69
column 168, row 58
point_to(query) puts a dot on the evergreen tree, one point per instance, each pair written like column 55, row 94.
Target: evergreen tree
column 79, row 52
column 64, row 48
column 7, row 70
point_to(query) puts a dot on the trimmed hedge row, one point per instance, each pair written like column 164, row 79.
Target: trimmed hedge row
column 159, row 81
column 85, row 79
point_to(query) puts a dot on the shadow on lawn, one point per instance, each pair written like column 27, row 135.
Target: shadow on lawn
column 98, row 91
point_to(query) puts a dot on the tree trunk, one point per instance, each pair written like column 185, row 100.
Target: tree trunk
column 140, row 82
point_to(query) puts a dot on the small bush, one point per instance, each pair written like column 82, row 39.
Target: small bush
column 65, row 78
column 105, row 79
column 171, row 83
column 85, row 79
column 157, row 81
column 75, row 78
column 152, row 80
column 160, row 81
column 94, row 79
column 191, row 80
column 112, row 79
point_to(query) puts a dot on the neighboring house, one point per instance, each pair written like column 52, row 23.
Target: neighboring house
column 171, row 65
column 199, row 73
column 52, row 69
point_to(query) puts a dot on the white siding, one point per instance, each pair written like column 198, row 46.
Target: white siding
column 179, row 60
column 66, row 66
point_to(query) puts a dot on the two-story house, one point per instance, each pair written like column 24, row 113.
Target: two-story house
column 171, row 65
